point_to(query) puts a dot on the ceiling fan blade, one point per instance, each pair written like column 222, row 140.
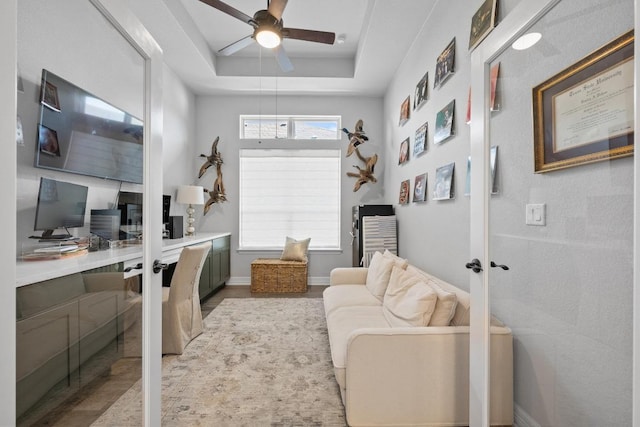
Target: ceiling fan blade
column 236, row 46
column 230, row 11
column 276, row 7
column 309, row 35
column 283, row 59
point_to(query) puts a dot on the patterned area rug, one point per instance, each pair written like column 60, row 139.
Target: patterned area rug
column 259, row 362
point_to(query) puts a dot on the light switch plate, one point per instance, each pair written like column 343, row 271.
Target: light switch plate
column 536, row 214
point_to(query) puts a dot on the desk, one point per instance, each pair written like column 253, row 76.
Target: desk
column 28, row 272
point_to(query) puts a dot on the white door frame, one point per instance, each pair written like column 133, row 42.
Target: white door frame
column 8, row 178
column 123, row 19
column 525, row 14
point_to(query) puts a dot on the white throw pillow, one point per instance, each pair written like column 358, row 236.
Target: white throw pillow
column 378, row 275
column 400, row 262
column 408, row 301
column 445, row 306
column 295, row 250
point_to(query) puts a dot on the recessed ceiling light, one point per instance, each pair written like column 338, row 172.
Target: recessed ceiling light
column 526, row 41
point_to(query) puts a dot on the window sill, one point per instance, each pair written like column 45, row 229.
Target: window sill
column 279, row 250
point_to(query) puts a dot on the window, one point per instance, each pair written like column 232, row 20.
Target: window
column 292, row 193
column 290, row 127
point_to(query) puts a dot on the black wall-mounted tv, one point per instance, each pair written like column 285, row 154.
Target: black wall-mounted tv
column 81, row 133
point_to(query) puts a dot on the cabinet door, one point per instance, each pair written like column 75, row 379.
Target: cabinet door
column 225, row 266
column 205, row 277
column 216, row 271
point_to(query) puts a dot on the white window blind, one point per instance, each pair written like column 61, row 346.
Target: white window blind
column 293, row 193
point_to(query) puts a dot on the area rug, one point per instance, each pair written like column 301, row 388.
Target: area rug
column 259, row 362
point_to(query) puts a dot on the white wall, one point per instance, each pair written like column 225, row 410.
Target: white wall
column 219, row 116
column 73, row 40
column 568, row 294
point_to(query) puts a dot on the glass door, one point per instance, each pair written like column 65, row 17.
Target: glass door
column 557, row 199
column 87, row 337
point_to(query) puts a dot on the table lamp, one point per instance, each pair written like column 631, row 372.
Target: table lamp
column 190, row 195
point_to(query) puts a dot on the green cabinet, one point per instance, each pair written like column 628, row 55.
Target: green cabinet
column 216, row 269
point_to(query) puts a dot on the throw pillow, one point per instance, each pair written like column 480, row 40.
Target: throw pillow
column 408, row 301
column 295, row 250
column 445, row 306
column 378, row 275
column 400, row 262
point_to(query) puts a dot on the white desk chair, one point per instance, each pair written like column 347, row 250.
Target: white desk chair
column 181, row 315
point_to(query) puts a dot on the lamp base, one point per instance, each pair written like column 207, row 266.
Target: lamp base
column 191, row 230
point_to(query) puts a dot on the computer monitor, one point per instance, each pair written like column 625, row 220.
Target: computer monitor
column 61, row 205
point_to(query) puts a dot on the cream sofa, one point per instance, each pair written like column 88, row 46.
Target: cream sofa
column 62, row 323
column 394, row 365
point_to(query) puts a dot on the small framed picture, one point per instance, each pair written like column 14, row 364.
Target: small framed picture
column 405, row 110
column 48, row 141
column 404, row 192
column 420, row 144
column 49, row 96
column 444, row 186
column 404, row 152
column 482, row 22
column 421, row 92
column 19, row 132
column 420, row 188
column 444, row 123
column 445, row 64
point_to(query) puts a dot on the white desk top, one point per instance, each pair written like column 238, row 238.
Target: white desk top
column 28, row 272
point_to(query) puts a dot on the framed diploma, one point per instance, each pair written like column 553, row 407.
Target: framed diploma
column 585, row 113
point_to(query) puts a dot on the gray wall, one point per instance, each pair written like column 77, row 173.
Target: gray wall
column 72, row 39
column 219, row 116
column 568, row 294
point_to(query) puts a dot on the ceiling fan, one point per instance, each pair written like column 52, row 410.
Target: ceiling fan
column 268, row 30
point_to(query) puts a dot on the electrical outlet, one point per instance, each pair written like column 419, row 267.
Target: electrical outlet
column 536, row 214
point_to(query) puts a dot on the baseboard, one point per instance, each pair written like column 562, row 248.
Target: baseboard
column 246, row 281
column 522, row 419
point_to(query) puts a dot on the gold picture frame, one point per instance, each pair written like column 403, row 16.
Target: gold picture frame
column 585, row 113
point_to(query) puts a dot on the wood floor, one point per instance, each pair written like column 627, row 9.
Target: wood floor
column 87, row 405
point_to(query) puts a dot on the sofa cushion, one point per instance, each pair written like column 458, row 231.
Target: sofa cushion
column 408, row 301
column 400, row 262
column 378, row 275
column 347, row 295
column 445, row 305
column 461, row 316
column 344, row 321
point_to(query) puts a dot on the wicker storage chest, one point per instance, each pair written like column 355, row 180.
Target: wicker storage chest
column 276, row 275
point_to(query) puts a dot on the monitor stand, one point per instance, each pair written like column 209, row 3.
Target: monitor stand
column 48, row 235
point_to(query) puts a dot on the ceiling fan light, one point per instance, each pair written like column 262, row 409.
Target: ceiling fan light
column 268, row 38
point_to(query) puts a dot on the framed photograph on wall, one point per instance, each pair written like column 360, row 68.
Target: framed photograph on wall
column 420, row 188
column 420, row 144
column 444, row 123
column 404, row 192
column 48, row 141
column 482, row 22
column 49, row 96
column 445, row 64
column 405, row 110
column 404, row 152
column 422, row 94
column 444, row 186
column 585, row 113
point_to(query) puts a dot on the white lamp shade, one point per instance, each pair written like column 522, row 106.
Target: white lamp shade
column 190, row 195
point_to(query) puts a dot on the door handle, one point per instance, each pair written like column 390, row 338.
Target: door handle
column 138, row 266
column 502, row 266
column 474, row 265
column 158, row 266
